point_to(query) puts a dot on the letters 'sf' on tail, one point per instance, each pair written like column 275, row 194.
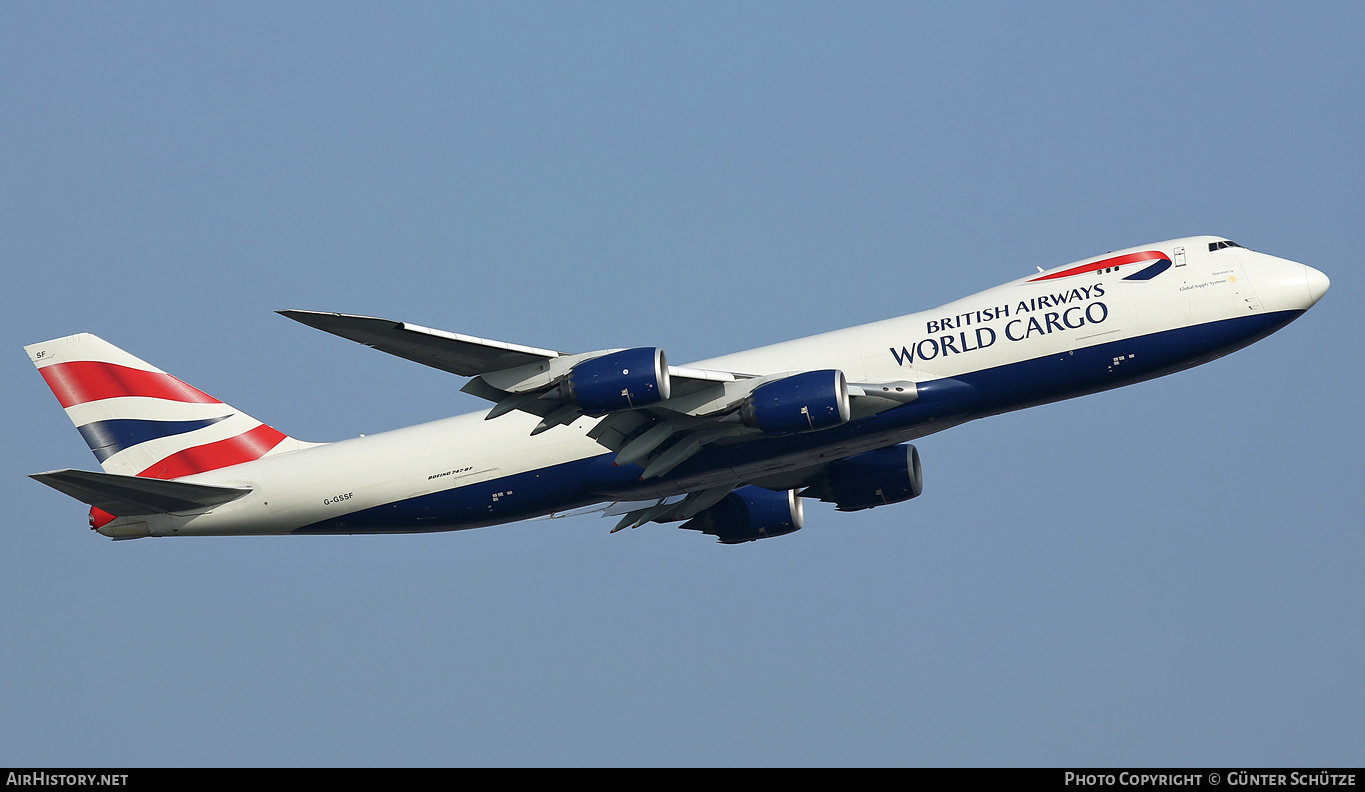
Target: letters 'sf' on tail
column 141, row 421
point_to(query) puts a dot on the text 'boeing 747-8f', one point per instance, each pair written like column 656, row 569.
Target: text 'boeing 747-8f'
column 728, row 446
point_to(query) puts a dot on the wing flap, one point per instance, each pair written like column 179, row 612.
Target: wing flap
column 125, row 496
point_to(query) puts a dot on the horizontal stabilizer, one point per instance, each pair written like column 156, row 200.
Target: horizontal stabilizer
column 129, row 495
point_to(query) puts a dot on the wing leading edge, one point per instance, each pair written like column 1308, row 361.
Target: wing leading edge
column 464, row 355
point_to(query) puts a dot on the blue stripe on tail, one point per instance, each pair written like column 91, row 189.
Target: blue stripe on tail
column 107, row 438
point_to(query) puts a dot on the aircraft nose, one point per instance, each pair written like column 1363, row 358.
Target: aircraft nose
column 1284, row 285
column 1318, row 284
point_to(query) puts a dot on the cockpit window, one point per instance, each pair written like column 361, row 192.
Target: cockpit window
column 1223, row 244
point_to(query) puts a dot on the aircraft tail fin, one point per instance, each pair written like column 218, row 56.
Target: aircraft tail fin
column 140, row 421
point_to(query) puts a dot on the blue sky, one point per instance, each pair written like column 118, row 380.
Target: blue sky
column 1168, row 574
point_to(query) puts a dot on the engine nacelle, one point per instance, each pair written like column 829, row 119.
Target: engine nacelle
column 750, row 513
column 800, row 403
column 618, row 381
column 876, row 478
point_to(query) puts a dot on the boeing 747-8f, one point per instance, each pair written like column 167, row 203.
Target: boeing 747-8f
column 728, row 446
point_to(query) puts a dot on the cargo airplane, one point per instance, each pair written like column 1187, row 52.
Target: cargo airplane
column 728, row 447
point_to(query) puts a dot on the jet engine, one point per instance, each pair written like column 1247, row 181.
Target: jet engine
column 800, row 403
column 876, row 478
column 618, row 381
column 750, row 513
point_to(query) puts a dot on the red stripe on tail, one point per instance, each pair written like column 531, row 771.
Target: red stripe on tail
column 244, row 447
column 82, row 381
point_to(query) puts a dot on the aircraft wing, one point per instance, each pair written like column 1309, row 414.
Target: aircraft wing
column 633, row 514
column 688, row 408
column 459, row 354
column 465, row 355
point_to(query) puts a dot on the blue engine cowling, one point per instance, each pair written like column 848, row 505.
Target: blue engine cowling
column 750, row 513
column 619, row 381
column 800, row 403
column 876, row 478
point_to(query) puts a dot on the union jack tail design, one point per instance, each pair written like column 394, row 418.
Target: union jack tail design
column 141, row 421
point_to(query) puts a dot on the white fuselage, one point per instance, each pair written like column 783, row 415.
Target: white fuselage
column 1002, row 341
